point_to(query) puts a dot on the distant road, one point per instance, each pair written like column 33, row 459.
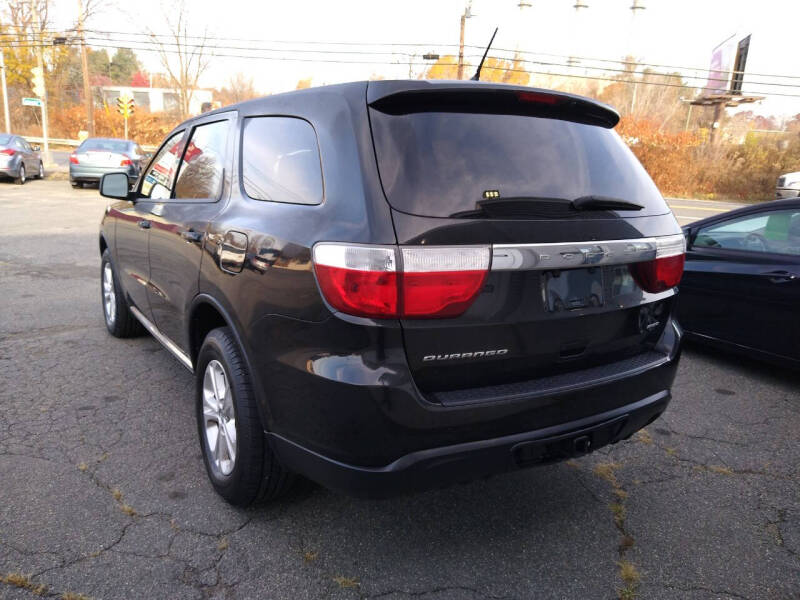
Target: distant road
column 687, row 211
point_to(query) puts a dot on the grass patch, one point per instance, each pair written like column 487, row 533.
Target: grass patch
column 74, row 596
column 116, row 493
column 628, row 572
column 573, row 464
column 620, row 493
column 671, row 451
column 83, row 466
column 346, row 582
column 223, row 545
column 607, row 471
column 644, row 437
column 720, row 470
column 24, row 582
column 128, row 510
column 309, row 556
column 625, row 543
column 619, row 513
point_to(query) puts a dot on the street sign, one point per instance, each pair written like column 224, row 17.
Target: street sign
column 32, row 102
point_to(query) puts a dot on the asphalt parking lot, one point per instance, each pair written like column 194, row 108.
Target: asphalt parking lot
column 103, row 491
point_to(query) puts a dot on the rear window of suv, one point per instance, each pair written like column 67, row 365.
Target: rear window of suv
column 442, row 164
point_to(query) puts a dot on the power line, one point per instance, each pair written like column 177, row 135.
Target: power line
column 138, row 45
column 417, row 63
column 411, row 44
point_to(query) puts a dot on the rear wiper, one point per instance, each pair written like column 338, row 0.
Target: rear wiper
column 603, row 203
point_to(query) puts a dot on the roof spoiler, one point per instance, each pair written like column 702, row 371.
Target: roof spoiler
column 405, row 97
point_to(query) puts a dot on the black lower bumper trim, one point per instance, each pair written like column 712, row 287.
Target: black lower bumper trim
column 437, row 467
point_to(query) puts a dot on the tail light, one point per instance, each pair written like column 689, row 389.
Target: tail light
column 8, row 151
column 388, row 282
column 73, row 158
column 125, row 161
column 665, row 270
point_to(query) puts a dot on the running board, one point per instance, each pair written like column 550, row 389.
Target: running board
column 163, row 340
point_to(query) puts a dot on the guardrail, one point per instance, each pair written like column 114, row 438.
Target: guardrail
column 74, row 143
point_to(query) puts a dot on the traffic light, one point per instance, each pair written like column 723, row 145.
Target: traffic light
column 37, row 83
column 125, row 106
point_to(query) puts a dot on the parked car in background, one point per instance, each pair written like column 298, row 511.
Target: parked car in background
column 393, row 285
column 788, row 186
column 97, row 156
column 741, row 284
column 19, row 160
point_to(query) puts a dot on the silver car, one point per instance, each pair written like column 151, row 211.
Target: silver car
column 97, row 156
column 788, row 186
column 18, row 159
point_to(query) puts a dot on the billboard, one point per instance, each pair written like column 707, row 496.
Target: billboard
column 726, row 72
column 719, row 73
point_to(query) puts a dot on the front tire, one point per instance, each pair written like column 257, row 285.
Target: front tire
column 21, row 175
column 119, row 319
column 242, row 467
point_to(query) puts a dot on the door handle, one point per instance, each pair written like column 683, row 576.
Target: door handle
column 192, row 236
column 781, row 276
column 144, row 224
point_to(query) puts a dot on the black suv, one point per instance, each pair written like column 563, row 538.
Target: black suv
column 394, row 285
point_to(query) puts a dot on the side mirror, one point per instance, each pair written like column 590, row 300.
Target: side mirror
column 114, row 185
column 36, row 147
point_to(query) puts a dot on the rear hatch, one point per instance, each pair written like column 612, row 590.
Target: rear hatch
column 571, row 223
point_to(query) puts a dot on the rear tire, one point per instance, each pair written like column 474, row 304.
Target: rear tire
column 117, row 314
column 227, row 418
column 21, row 176
column 41, row 170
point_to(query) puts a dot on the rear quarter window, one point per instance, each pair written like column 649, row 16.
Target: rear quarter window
column 281, row 161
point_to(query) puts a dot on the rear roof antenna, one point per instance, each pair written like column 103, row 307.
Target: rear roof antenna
column 477, row 76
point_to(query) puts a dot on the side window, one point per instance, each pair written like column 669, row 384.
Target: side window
column 160, row 176
column 280, row 160
column 19, row 143
column 776, row 232
column 201, row 171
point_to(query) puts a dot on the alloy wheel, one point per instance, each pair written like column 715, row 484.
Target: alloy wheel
column 219, row 419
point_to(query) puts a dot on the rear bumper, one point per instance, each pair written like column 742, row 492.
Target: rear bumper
column 362, row 426
column 438, row 467
column 781, row 193
column 93, row 174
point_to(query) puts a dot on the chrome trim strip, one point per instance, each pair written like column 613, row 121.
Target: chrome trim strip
column 164, row 340
column 565, row 255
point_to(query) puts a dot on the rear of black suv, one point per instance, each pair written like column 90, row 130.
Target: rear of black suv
column 401, row 284
column 523, row 316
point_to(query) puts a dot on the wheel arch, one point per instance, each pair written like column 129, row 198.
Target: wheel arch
column 207, row 313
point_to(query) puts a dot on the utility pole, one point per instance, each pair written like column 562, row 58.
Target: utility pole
column 5, row 90
column 638, row 5
column 87, row 88
column 40, row 64
column 466, row 15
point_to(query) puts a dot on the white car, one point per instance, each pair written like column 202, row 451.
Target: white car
column 788, row 186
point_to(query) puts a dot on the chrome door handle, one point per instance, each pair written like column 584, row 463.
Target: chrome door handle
column 781, row 276
column 144, row 224
column 192, row 236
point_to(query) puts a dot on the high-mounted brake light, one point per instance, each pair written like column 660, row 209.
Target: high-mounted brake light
column 73, row 158
column 411, row 282
column 665, row 270
column 538, row 98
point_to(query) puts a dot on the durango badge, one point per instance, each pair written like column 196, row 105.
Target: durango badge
column 479, row 354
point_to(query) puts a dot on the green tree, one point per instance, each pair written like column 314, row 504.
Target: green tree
column 98, row 62
column 123, row 65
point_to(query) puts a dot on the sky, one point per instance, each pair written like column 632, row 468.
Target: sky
column 669, row 32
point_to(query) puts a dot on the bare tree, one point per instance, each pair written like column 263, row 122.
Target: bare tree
column 183, row 56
